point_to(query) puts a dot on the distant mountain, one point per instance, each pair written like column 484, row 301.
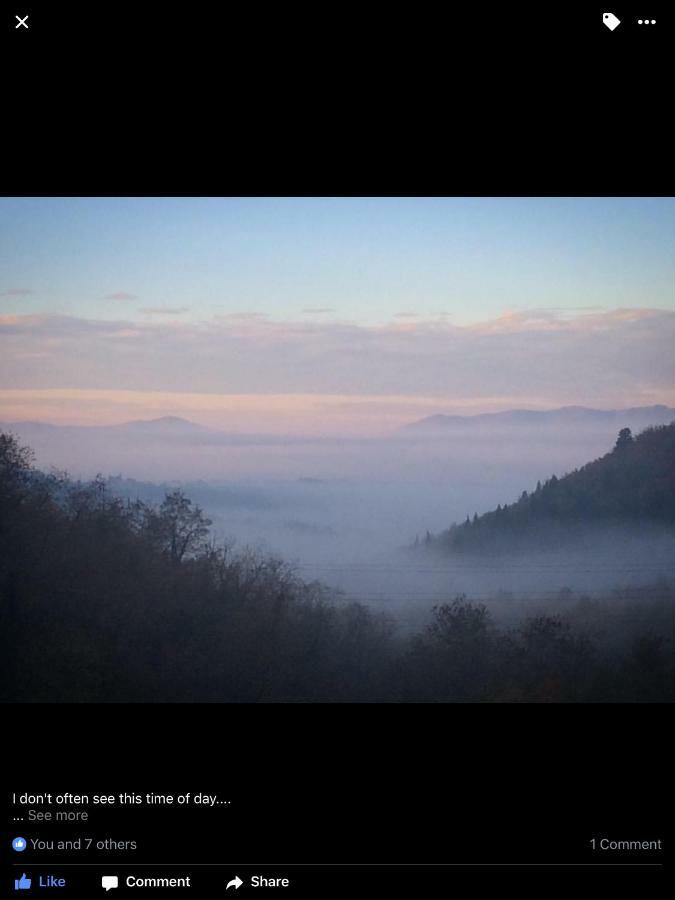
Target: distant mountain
column 634, row 417
column 163, row 425
column 633, row 485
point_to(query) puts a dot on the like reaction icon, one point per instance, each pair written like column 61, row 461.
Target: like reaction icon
column 19, row 844
column 22, row 884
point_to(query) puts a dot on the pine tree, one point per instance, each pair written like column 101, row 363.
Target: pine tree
column 625, row 439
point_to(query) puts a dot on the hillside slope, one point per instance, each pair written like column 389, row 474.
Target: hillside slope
column 633, row 485
column 567, row 416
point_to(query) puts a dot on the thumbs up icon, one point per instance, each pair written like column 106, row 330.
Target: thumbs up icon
column 22, row 884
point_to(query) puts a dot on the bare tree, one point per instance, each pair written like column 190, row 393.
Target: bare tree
column 178, row 527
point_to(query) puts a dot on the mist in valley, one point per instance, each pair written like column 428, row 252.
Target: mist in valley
column 316, row 449
column 349, row 512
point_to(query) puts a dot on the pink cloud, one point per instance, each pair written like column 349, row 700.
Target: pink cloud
column 559, row 320
column 17, row 292
column 121, row 295
column 616, row 358
column 241, row 316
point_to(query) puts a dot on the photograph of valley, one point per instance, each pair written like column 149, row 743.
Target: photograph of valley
column 373, row 450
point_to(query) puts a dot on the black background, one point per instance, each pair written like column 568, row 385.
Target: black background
column 508, row 100
column 336, row 784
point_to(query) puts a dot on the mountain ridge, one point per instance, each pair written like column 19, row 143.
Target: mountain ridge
column 659, row 413
column 162, row 423
column 632, row 485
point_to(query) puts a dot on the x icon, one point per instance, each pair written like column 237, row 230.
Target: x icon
column 21, row 22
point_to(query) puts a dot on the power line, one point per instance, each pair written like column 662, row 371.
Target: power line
column 515, row 598
column 489, row 568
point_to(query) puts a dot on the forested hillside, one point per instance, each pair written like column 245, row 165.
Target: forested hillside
column 632, row 485
column 105, row 599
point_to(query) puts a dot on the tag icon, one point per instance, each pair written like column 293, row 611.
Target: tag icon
column 610, row 20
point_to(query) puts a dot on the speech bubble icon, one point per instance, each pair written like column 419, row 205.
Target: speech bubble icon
column 109, row 882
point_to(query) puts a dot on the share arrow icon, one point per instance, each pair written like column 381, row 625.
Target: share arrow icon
column 236, row 883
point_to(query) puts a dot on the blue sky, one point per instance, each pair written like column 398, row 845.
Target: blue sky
column 365, row 260
column 348, row 314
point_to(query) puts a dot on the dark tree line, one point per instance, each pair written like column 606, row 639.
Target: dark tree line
column 107, row 599
column 632, row 485
column 110, row 599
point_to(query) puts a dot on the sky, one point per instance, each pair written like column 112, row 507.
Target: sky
column 351, row 315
